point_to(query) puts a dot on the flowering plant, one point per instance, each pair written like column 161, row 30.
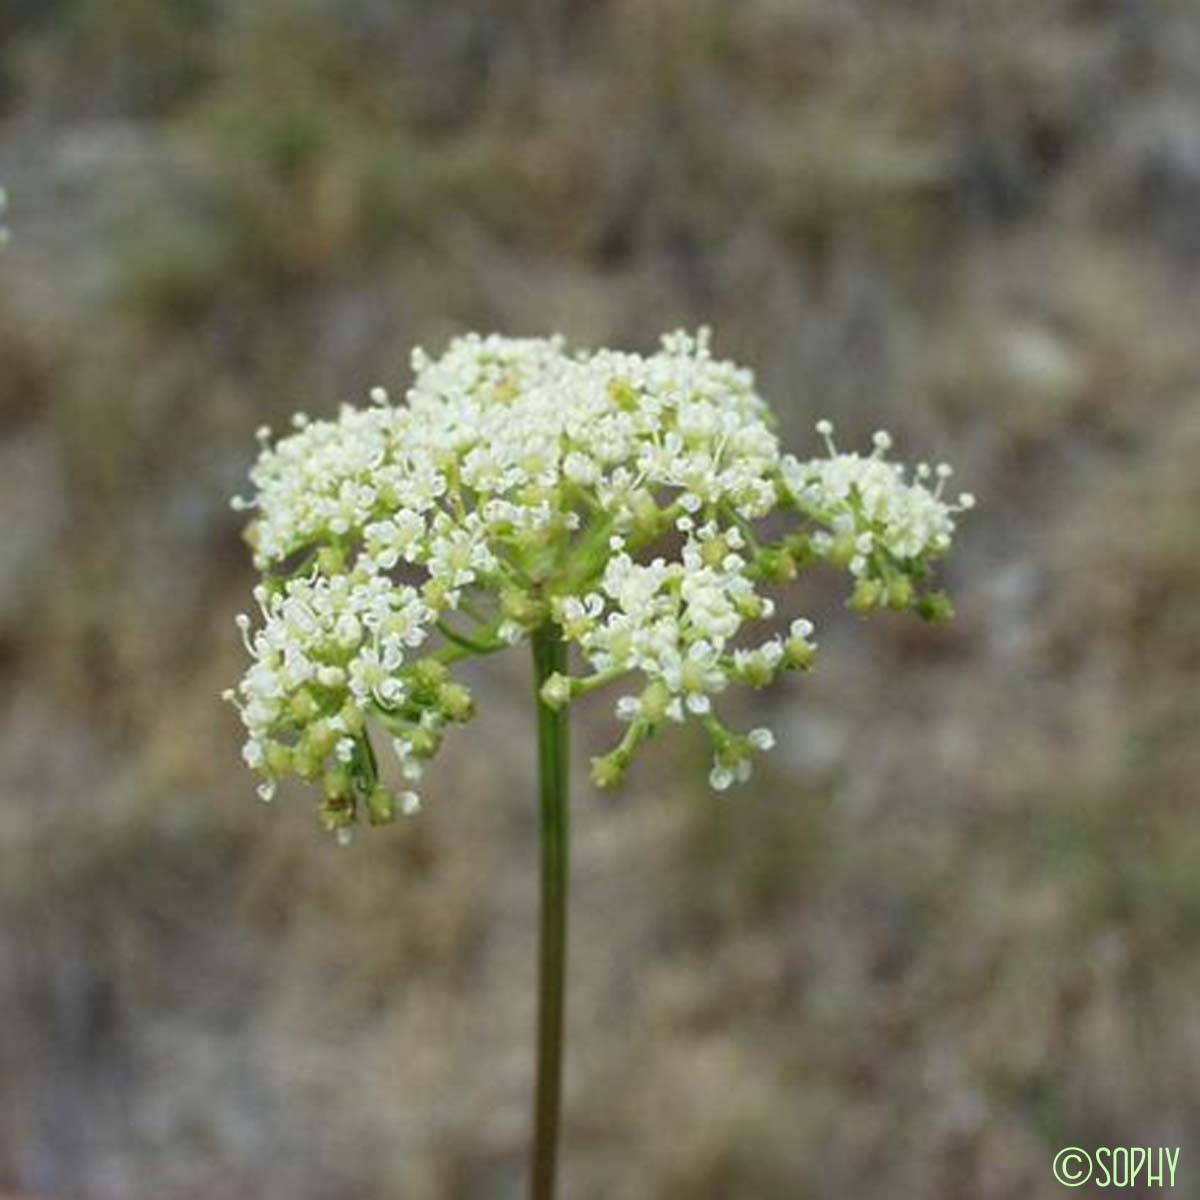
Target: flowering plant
column 607, row 501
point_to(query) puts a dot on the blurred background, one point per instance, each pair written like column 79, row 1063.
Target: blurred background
column 952, row 925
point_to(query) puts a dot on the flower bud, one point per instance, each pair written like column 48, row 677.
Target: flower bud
column 337, row 783
column 279, row 758
column 935, row 607
column 556, row 691
column 798, row 653
column 899, row 592
column 519, row 606
column 646, row 515
column 842, row 549
column 381, row 807
column 306, row 764
column 775, row 565
column 455, row 701
column 320, row 739
column 352, row 718
column 654, row 702
column 435, row 593
column 428, row 674
column 303, row 707
column 749, row 606
column 607, row 769
column 337, row 815
column 692, row 676
column 713, row 551
column 423, row 743
column 331, row 559
column 800, row 548
column 623, row 395
column 756, row 671
column 868, row 594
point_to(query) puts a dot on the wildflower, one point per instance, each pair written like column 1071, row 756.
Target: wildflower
column 518, row 485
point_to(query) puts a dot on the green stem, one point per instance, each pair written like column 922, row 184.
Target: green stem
column 463, row 641
column 550, row 655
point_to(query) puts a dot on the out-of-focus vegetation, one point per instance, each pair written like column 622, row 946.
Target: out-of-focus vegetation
column 952, row 929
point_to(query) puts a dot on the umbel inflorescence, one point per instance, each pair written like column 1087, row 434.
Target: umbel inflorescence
column 617, row 496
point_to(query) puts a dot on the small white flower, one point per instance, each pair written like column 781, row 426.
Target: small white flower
column 761, row 739
column 720, row 779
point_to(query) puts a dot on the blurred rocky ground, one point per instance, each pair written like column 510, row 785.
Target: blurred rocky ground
column 952, row 928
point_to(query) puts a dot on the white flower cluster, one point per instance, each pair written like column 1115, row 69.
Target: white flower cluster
column 673, row 623
column 520, row 484
column 882, row 528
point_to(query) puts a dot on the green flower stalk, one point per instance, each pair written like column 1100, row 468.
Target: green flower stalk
column 604, row 507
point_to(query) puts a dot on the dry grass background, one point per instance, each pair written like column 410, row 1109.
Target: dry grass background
column 950, row 930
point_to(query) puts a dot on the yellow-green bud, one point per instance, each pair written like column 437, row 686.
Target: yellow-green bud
column 749, row 606
column 305, row 763
column 320, row 739
column 935, row 607
column 337, row 814
column 423, row 743
column 428, row 674
column 607, row 770
column 455, row 701
column 331, row 559
column 303, row 707
column 519, row 606
column 799, row 548
column 868, row 594
column 556, row 691
column 337, row 783
column 757, row 672
column 692, row 676
column 713, row 552
column 646, row 515
column 381, row 806
column 620, row 643
column 775, row 565
column 434, row 593
column 654, row 702
column 899, row 592
column 623, row 395
column 798, row 654
column 279, row 758
column 843, row 549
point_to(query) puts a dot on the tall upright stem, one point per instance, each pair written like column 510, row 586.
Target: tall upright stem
column 550, row 655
